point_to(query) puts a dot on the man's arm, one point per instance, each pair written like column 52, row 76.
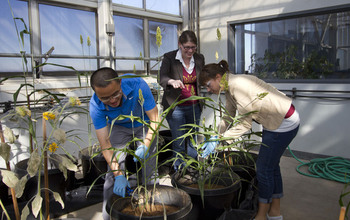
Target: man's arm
column 154, row 119
column 105, row 143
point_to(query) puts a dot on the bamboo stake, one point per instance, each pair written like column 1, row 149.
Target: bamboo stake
column 342, row 213
column 13, row 192
column 46, row 176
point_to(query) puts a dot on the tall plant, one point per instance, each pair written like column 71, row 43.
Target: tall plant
column 43, row 151
column 28, row 118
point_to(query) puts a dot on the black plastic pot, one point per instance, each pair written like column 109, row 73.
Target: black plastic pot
column 71, row 181
column 165, row 195
column 57, row 181
column 92, row 167
column 243, row 164
column 216, row 200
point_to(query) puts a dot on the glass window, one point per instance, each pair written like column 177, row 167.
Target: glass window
column 129, row 42
column 11, row 42
column 68, row 30
column 169, row 40
column 310, row 47
column 166, row 6
column 133, row 3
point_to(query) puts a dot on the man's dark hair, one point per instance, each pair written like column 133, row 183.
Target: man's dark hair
column 103, row 77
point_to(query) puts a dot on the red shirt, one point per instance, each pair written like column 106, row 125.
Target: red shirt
column 190, row 82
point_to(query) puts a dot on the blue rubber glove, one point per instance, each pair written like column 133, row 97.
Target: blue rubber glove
column 120, row 183
column 140, row 152
column 209, row 146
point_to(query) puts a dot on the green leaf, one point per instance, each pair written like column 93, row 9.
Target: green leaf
column 58, row 198
column 24, row 31
column 54, row 95
column 5, row 151
column 6, row 78
column 9, row 178
column 36, row 205
column 25, row 212
column 15, row 95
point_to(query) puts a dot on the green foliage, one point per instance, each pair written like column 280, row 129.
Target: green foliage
column 289, row 65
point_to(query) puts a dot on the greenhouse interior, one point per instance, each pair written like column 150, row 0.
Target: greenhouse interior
column 175, row 109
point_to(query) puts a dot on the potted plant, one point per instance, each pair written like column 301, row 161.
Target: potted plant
column 37, row 168
column 147, row 199
column 225, row 160
column 211, row 185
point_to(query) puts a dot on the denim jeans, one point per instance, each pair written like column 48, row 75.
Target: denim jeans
column 120, row 137
column 180, row 116
column 268, row 169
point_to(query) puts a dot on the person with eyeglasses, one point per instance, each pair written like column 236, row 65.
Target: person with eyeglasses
column 114, row 96
column 254, row 100
column 179, row 73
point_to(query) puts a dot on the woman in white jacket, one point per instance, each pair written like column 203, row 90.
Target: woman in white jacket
column 266, row 106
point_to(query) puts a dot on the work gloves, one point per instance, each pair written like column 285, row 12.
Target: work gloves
column 120, row 184
column 209, row 146
column 140, row 152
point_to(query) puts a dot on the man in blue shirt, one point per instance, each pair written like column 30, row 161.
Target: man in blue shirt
column 113, row 97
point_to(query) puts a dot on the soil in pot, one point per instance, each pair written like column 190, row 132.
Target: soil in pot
column 154, row 210
column 216, row 198
column 177, row 203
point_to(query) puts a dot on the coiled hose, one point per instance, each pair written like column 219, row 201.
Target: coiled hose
column 331, row 168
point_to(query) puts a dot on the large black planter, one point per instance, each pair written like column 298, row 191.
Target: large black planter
column 242, row 163
column 57, row 181
column 216, row 200
column 93, row 167
column 165, row 195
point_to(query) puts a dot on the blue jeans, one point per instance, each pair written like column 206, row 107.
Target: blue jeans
column 119, row 138
column 268, row 169
column 180, row 116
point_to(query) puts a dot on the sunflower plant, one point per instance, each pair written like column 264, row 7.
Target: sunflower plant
column 43, row 149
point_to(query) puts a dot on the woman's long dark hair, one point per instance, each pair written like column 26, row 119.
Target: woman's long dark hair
column 210, row 70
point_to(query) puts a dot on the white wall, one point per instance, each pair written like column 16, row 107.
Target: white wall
column 325, row 123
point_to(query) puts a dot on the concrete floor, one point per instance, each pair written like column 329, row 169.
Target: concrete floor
column 306, row 198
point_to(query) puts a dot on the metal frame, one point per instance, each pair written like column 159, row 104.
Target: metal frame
column 93, row 5
column 231, row 37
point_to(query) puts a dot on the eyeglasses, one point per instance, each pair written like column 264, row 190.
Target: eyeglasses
column 188, row 47
column 208, row 84
column 115, row 95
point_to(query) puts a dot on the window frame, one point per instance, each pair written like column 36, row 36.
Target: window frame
column 321, row 11
column 91, row 6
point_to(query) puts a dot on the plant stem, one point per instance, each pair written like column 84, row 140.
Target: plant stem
column 5, row 212
column 46, row 176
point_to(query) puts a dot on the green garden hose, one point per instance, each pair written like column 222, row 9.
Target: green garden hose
column 331, row 168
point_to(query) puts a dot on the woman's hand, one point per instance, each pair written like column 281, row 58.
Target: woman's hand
column 176, row 84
